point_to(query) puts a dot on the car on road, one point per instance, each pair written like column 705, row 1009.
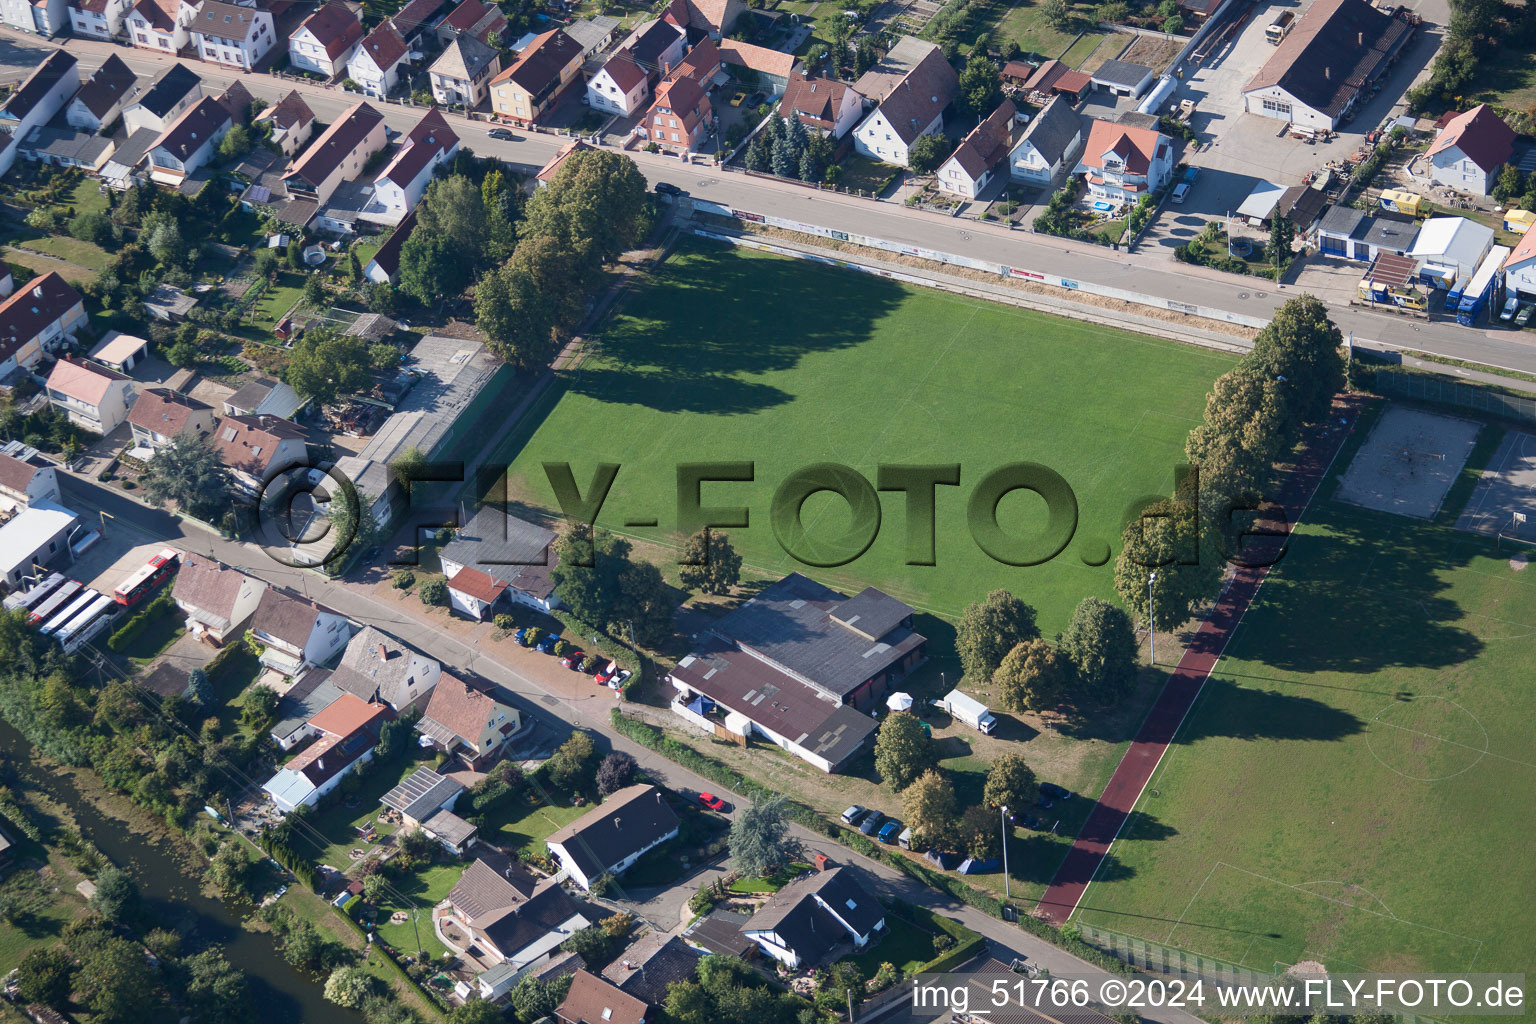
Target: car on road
column 1524, row 316
column 713, row 802
column 547, row 643
column 502, row 134
column 1180, row 191
column 1055, row 792
column 666, row 188
column 852, row 815
column 870, row 825
column 1191, row 173
column 573, row 660
column 521, row 637
column 1508, row 312
column 889, row 831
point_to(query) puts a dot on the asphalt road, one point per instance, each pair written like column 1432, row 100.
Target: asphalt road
column 1151, row 272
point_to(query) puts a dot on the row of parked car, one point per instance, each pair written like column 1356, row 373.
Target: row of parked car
column 609, row 675
column 888, row 830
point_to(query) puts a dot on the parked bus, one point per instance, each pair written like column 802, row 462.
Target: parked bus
column 57, row 622
column 1280, row 27
column 53, row 602
column 90, row 621
column 29, row 599
column 147, row 578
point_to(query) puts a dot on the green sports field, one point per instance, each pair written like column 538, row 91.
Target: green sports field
column 736, row 355
column 1355, row 785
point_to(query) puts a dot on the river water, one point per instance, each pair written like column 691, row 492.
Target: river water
column 280, row 994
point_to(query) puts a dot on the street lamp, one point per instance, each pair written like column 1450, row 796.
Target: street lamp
column 1007, row 892
column 1151, row 618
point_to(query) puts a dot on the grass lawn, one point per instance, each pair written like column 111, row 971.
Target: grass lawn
column 700, row 368
column 339, row 822
column 277, row 300
column 905, row 946
column 863, row 174
column 771, row 883
column 427, row 888
column 40, row 928
column 1026, row 25
column 162, row 630
column 1506, row 77
column 231, row 678
column 1355, row 785
column 40, row 264
column 87, row 197
column 72, row 250
column 518, row 823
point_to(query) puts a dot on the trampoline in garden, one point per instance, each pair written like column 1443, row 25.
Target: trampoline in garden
column 1240, row 247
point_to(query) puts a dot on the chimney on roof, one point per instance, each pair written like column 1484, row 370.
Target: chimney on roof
column 1328, row 73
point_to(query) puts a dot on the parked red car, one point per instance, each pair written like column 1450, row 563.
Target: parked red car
column 713, row 802
column 606, row 673
column 573, row 660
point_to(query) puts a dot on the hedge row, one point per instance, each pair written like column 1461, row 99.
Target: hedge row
column 650, row 736
column 136, row 625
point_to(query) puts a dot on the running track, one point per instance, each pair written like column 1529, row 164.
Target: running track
column 1108, row 816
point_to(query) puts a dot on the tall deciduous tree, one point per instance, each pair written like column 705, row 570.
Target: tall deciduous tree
column 991, row 628
column 981, row 833
column 1245, row 431
column 217, row 991
column 709, row 563
column 930, row 806
column 322, row 366
column 597, row 198
column 188, row 471
column 1100, row 641
column 46, row 976
column 760, row 840
column 981, row 86
column 903, row 750
column 588, row 571
column 1011, row 783
column 1033, row 677
column 518, row 318
column 1167, row 539
column 1302, row 345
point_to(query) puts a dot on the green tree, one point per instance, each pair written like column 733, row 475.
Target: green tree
column 235, row 143
column 709, row 563
column 564, row 274
column 588, row 570
column 259, row 705
column 189, row 472
column 760, row 840
column 981, row 833
column 1011, row 783
column 166, row 244
column 903, row 750
column 323, row 366
column 433, row 593
column 930, row 807
column 646, row 602
column 182, row 355
column 593, row 944
column 354, row 268
column 1282, row 233
column 95, row 227
column 118, row 984
column 199, row 690
column 532, row 998
column 354, row 528
column 1033, row 676
column 1057, row 13
column 519, row 320
column 349, row 986
column 1167, row 539
column 475, row 1011
column 117, row 895
column 597, row 199
column 1100, row 642
column 217, row 991
column 991, row 628
column 981, row 87
column 1303, row 346
column 1245, row 431
column 314, row 292
column 616, row 770
column 1175, row 25
column 295, row 253
column 571, row 767
column 927, row 152
column 230, row 870
column 46, row 976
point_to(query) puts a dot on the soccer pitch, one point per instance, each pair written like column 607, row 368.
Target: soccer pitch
column 735, row 355
column 1355, row 784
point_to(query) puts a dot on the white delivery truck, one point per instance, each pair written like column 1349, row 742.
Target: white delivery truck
column 968, row 710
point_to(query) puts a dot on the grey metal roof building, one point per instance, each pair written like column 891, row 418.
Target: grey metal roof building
column 492, row 539
column 422, row 794
column 1122, row 77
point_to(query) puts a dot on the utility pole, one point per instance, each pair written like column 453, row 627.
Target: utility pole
column 1007, row 892
column 1151, row 618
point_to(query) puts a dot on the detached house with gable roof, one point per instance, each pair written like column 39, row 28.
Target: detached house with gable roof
column 715, row 17
column 773, row 67
column 189, row 143
column 399, row 187
column 496, row 559
column 467, row 723
column 160, row 25
column 1470, row 151
column 337, row 155
column 513, row 919
column 591, row 1000
column 296, row 632
column 27, row 477
column 531, row 86
column 1048, row 146
column 913, row 108
column 35, row 102
column 473, row 19
column 98, row 19
column 293, row 123
column 347, row 732
column 46, row 18
column 160, row 415
column 104, row 96
column 804, row 921
column 375, row 64
column 158, row 107
column 39, row 317
column 680, row 117
column 461, row 77
column 620, row 86
column 1122, row 164
column 610, row 837
column 326, row 40
column 972, row 166
column 231, row 35
column 822, row 104
column 377, row 667
column 91, row 395
column 256, row 448
column 217, row 599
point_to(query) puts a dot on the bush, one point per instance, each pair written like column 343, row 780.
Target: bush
column 434, row 593
column 505, row 622
column 404, row 580
column 134, row 626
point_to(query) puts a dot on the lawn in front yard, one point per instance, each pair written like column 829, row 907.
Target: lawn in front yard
column 905, row 946
column 231, row 679
column 860, row 173
column 425, row 888
column 166, row 623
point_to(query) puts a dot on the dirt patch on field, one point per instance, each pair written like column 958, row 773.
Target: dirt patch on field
column 1153, row 51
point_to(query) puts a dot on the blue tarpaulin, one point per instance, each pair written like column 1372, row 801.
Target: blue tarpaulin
column 702, row 706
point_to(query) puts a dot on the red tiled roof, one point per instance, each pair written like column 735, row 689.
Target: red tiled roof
column 1524, row 250
column 82, row 381
column 591, row 1000
column 758, row 58
column 539, row 66
column 347, row 714
column 194, row 129
column 384, row 46
column 986, row 144
column 290, row 111
column 338, row 142
column 626, row 74
column 335, row 28
column 459, row 709
column 32, row 308
column 1136, row 147
column 477, row 585
column 15, row 474
column 388, row 256
column 249, row 443
column 1479, row 133
column 430, row 137
column 163, row 411
column 815, row 99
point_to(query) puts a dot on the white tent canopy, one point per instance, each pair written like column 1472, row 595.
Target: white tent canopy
column 1261, row 202
column 899, row 701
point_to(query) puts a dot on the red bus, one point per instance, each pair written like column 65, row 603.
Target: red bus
column 147, row 577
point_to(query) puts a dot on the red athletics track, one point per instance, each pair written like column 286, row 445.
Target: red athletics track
column 1061, row 898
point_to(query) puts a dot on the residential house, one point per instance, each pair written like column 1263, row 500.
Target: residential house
column 125, row 168
column 610, row 837
column 257, row 448
column 800, row 665
column 40, row 96
column 63, row 146
column 495, row 983
column 422, row 794
column 593, row 34
column 914, row 108
column 235, row 36
column 772, row 67
column 339, row 154
column 715, row 17
column 377, row 667
column 1450, row 249
column 497, row 559
column 891, row 70
column 348, row 731
column 263, row 397
column 428, row 146
column 531, row 86
column 804, row 921
column 326, row 40
column 1470, row 150
column 591, row 1000
column 1122, row 163
column 46, row 18
column 92, row 396
column 104, row 96
column 512, row 919
column 822, row 104
column 468, row 723
column 1048, row 148
column 701, row 63
column 656, row 47
column 160, row 415
column 548, row 172
column 1331, row 60
column 97, row 19
column 1302, row 205
column 375, row 65
column 652, row 964
column 680, row 117
column 217, row 600
column 386, row 261
column 160, row 25
column 296, row 632
column 461, row 77
column 473, row 19
column 41, row 316
column 189, row 143
column 1520, row 267
column 299, row 706
column 620, row 86
column 972, row 166
column 26, row 477
column 293, row 123
column 158, row 107
column 418, row 19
